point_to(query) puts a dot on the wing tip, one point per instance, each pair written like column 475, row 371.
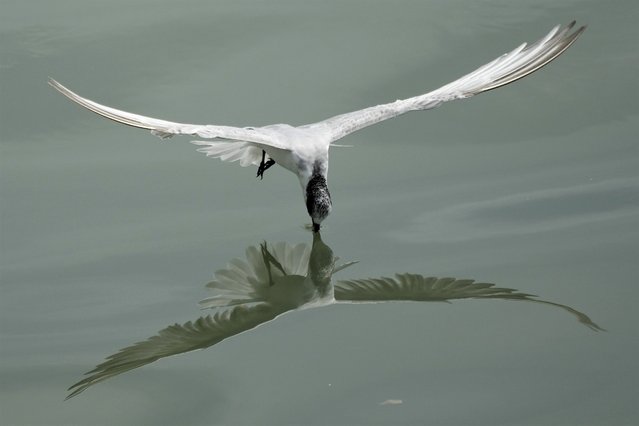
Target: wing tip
column 53, row 83
column 577, row 32
column 60, row 88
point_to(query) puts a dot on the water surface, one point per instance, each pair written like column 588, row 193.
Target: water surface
column 109, row 235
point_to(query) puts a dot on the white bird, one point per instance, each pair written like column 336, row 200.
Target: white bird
column 304, row 149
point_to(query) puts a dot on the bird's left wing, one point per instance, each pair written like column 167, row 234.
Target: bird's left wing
column 243, row 293
column 165, row 129
column 507, row 68
column 177, row 339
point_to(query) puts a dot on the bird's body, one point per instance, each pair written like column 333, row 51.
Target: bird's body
column 304, row 150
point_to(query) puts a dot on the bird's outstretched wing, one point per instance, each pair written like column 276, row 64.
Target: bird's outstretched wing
column 507, row 68
column 179, row 338
column 238, row 143
column 419, row 288
column 415, row 287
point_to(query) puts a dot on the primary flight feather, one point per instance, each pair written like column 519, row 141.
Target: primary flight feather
column 304, row 149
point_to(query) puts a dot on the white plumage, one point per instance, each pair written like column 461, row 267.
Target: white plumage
column 304, row 149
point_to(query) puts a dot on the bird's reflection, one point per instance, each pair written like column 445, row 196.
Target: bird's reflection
column 275, row 279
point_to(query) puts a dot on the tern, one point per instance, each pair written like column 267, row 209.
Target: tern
column 303, row 150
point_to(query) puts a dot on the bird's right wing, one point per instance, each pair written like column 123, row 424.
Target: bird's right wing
column 233, row 143
column 177, row 339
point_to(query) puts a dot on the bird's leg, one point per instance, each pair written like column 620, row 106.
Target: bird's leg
column 264, row 165
column 268, row 259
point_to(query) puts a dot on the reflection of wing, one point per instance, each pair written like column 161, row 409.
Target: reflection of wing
column 176, row 339
column 581, row 317
column 247, row 281
column 419, row 288
column 244, row 285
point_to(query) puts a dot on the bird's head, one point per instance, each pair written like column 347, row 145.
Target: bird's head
column 318, row 200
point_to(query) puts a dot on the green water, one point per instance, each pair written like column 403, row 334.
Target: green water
column 109, row 235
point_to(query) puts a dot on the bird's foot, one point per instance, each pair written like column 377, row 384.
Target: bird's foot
column 269, row 260
column 264, row 165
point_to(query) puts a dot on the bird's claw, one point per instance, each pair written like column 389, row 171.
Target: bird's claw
column 264, row 165
column 269, row 260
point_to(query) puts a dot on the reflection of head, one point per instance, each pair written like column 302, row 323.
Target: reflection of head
column 281, row 275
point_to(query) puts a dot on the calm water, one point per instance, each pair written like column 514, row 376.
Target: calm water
column 109, row 235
